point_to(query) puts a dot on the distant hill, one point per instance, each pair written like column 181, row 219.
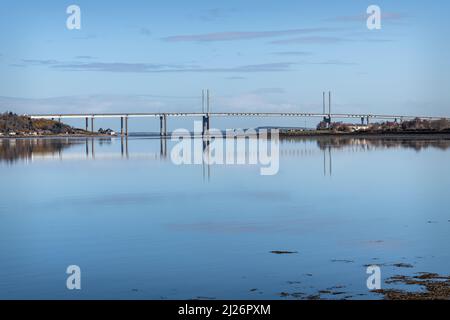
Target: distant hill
column 13, row 124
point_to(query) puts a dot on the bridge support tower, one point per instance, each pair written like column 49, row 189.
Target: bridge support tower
column 163, row 125
column 205, row 124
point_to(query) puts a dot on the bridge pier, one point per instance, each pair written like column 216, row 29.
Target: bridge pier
column 126, row 126
column 205, row 124
column 92, row 149
column 163, row 125
column 368, row 121
column 92, row 124
column 163, row 148
column 124, row 146
column 121, row 126
column 87, row 124
column 362, row 120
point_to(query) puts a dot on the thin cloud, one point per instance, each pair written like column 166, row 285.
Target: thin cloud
column 143, row 103
column 365, row 36
column 387, row 16
column 85, row 57
column 126, row 67
column 333, row 62
column 84, row 103
column 377, row 40
column 241, row 35
column 271, row 67
column 215, row 14
column 293, row 53
column 40, row 62
column 145, row 32
column 311, row 40
column 119, row 67
column 165, row 68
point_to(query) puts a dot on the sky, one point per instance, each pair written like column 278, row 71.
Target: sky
column 153, row 56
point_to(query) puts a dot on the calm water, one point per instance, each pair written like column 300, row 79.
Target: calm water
column 141, row 227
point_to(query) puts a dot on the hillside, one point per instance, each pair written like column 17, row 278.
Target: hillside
column 12, row 124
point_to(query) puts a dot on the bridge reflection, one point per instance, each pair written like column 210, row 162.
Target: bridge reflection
column 36, row 149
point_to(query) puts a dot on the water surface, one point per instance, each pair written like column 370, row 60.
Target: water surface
column 141, row 227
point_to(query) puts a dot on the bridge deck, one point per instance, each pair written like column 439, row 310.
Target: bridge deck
column 232, row 114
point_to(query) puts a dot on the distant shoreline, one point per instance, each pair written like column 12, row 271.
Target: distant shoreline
column 13, row 126
column 368, row 135
column 283, row 135
column 94, row 135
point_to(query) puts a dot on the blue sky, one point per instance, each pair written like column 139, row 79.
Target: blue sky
column 135, row 56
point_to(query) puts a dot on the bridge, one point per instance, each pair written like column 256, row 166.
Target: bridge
column 206, row 114
column 365, row 118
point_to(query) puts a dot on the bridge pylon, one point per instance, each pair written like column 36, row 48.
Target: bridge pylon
column 163, row 125
column 205, row 125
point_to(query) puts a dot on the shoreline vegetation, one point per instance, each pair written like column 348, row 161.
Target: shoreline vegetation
column 17, row 126
column 392, row 128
